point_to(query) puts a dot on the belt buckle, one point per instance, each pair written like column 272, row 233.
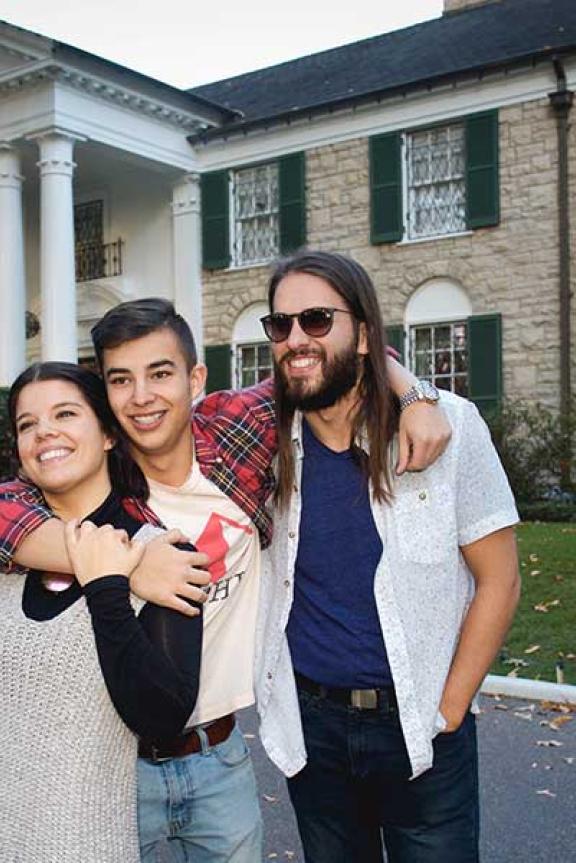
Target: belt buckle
column 158, row 759
column 364, row 699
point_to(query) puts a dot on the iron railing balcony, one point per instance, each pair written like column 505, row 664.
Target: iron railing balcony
column 98, row 260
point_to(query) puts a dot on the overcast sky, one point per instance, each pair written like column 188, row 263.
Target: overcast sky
column 183, row 42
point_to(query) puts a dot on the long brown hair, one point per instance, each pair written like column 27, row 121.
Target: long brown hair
column 377, row 414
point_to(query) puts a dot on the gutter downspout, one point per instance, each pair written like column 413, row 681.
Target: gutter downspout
column 561, row 101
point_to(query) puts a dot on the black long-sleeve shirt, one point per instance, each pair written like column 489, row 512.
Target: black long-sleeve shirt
column 151, row 661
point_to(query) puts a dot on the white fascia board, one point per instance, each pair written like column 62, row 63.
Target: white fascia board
column 402, row 112
column 122, row 128
column 25, row 112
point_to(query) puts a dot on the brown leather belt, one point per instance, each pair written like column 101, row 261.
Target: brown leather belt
column 185, row 744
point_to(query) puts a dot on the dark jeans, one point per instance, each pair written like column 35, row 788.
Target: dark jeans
column 355, row 788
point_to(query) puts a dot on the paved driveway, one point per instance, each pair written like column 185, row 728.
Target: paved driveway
column 528, row 787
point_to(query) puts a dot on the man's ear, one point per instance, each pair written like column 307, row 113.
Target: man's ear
column 198, row 379
column 362, row 339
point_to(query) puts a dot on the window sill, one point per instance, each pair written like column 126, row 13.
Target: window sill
column 434, row 239
column 233, row 268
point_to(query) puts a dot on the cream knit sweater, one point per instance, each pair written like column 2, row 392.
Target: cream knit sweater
column 67, row 762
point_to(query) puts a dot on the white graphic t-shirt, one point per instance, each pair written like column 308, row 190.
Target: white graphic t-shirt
column 220, row 529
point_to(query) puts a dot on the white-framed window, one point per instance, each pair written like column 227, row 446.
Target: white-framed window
column 254, row 207
column 435, row 181
column 437, row 330
column 251, row 354
column 253, row 363
column 438, row 353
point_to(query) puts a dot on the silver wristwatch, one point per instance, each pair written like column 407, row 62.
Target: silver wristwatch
column 422, row 391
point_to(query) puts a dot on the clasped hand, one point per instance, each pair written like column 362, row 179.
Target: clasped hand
column 99, row 551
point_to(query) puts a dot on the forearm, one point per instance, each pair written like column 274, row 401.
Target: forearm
column 153, row 685
column 45, row 549
column 483, row 632
column 399, row 377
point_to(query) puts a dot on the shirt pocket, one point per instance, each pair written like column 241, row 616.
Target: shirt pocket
column 425, row 523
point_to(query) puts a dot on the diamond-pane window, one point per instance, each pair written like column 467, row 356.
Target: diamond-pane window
column 255, row 237
column 253, row 364
column 436, row 186
column 438, row 353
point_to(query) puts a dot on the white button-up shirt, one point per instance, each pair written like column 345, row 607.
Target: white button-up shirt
column 422, row 585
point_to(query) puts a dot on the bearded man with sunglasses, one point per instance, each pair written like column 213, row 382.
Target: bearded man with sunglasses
column 385, row 598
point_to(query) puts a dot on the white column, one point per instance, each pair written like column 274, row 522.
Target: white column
column 187, row 254
column 57, row 264
column 12, row 278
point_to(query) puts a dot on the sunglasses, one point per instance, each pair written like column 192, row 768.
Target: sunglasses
column 316, row 322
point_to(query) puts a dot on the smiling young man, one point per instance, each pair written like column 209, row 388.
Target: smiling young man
column 210, row 476
column 387, row 597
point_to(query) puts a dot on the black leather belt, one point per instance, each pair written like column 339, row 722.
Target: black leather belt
column 185, row 744
column 363, row 699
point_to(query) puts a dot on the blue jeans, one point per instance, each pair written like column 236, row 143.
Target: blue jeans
column 205, row 805
column 355, row 790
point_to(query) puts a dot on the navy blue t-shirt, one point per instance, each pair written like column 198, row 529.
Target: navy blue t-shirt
column 333, row 631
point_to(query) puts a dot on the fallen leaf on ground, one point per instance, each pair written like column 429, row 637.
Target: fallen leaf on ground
column 556, row 706
column 559, row 721
column 544, row 606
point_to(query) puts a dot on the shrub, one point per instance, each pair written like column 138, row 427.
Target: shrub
column 548, row 510
column 536, row 449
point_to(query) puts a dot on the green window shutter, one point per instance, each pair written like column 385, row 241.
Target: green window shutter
column 396, row 339
column 385, row 189
column 292, row 193
column 485, row 362
column 482, row 180
column 218, row 360
column 215, row 216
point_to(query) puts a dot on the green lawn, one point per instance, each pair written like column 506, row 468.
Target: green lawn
column 544, row 630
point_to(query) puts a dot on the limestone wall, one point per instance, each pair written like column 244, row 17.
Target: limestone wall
column 511, row 269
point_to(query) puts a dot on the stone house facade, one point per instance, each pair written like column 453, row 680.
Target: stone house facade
column 442, row 157
column 476, row 308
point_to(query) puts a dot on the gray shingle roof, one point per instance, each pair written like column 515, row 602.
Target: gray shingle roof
column 470, row 41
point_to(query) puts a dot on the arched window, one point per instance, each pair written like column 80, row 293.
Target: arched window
column 251, row 355
column 436, row 323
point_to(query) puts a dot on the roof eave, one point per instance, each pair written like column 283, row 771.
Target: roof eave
column 287, row 117
column 213, row 112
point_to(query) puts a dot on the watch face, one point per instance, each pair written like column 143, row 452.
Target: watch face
column 429, row 391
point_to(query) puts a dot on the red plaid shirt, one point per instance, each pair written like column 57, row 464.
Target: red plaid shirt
column 235, row 442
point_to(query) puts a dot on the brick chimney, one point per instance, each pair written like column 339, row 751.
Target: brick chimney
column 459, row 5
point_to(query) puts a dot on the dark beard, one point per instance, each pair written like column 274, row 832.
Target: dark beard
column 340, row 376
